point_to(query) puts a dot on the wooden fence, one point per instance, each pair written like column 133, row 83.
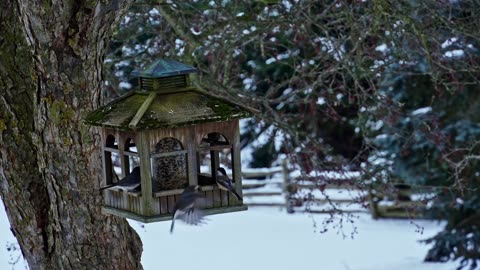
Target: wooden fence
column 284, row 192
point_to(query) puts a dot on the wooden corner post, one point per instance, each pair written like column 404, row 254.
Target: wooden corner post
column 145, row 172
column 192, row 161
column 236, row 161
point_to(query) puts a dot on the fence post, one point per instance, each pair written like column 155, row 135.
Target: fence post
column 286, row 186
column 372, row 198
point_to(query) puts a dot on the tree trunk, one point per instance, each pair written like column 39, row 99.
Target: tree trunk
column 51, row 55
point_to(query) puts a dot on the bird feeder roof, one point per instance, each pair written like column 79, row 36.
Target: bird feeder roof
column 164, row 68
column 142, row 110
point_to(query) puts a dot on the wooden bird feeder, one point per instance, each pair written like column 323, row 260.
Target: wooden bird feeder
column 177, row 135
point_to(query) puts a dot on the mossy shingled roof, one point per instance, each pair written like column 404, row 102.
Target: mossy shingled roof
column 140, row 110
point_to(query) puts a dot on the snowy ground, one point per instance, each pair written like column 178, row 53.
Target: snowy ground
column 268, row 238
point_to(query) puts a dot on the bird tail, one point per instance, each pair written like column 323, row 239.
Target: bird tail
column 171, row 227
column 105, row 187
column 236, row 195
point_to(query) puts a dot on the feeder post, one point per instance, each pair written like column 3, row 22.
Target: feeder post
column 145, row 172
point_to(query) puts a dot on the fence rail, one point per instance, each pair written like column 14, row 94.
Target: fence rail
column 284, row 193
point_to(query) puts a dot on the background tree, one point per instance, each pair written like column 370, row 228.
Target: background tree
column 387, row 87
column 50, row 77
column 430, row 125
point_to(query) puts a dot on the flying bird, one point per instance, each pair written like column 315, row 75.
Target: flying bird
column 188, row 207
column 130, row 182
column 224, row 182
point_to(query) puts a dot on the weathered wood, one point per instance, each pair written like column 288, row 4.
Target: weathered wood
column 332, row 211
column 156, row 206
column 232, row 200
column 286, row 185
column 124, row 163
column 170, row 203
column 134, row 193
column 192, row 161
column 280, row 205
column 133, row 154
column 214, row 163
column 253, row 186
column 115, row 198
column 167, row 217
column 299, row 186
column 134, row 203
column 126, row 142
column 217, row 198
column 265, row 193
column 169, row 154
column 111, row 149
column 413, row 210
column 224, row 198
column 257, row 173
column 373, row 204
column 210, row 187
column 215, row 147
column 108, row 171
column 324, row 200
column 168, row 192
column 124, row 198
column 163, row 205
column 199, row 131
column 119, row 199
column 198, row 162
column 327, row 186
column 141, row 111
column 209, row 199
column 106, row 161
column 236, row 160
column 145, row 172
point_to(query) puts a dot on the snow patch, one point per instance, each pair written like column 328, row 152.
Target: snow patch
column 293, row 236
column 455, row 53
column 195, row 31
column 248, row 83
column 236, row 52
column 251, row 63
column 381, row 48
column 287, row 5
column 321, row 101
column 125, row 85
column 449, row 42
column 270, row 61
column 422, row 111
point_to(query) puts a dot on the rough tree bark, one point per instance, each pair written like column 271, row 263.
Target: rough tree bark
column 51, row 55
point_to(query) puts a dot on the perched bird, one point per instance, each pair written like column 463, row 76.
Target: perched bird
column 131, row 182
column 224, row 182
column 188, row 207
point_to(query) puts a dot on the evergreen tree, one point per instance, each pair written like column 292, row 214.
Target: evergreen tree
column 425, row 123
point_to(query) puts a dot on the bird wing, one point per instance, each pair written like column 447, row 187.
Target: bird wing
column 192, row 214
column 129, row 182
column 225, row 182
column 132, row 180
column 194, row 217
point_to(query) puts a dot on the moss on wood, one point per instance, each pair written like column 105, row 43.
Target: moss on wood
column 167, row 110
